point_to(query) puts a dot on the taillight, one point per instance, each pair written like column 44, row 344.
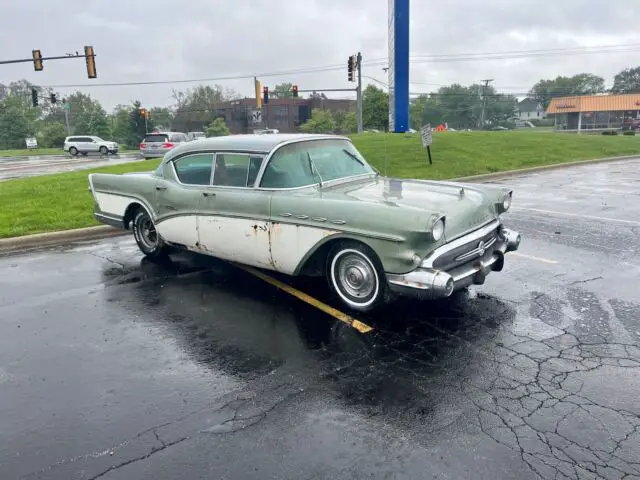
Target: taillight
column 168, row 145
column 143, row 145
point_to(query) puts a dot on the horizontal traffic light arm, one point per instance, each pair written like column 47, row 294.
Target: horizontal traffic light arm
column 30, row 59
column 329, row 90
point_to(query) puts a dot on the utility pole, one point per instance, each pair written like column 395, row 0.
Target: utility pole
column 359, row 94
column 66, row 116
column 484, row 100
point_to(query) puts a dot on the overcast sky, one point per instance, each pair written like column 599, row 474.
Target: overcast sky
column 142, row 40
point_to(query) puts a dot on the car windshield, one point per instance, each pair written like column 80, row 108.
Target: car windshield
column 98, row 139
column 310, row 162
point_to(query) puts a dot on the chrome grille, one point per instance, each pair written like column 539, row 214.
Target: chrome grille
column 466, row 252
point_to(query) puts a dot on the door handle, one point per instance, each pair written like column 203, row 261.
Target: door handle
column 160, row 188
column 208, row 194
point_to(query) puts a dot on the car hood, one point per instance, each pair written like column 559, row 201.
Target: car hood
column 465, row 206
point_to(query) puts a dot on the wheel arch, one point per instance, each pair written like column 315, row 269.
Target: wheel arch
column 130, row 213
column 312, row 264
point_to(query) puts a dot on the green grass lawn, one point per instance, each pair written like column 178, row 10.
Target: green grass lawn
column 61, row 201
column 24, row 152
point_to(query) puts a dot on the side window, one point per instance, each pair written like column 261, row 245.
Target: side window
column 236, row 169
column 289, row 167
column 194, row 169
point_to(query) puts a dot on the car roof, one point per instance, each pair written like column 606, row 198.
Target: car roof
column 248, row 142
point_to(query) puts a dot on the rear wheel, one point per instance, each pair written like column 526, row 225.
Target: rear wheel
column 356, row 277
column 73, row 151
column 146, row 235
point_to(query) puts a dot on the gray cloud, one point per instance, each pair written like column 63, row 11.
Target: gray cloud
column 164, row 40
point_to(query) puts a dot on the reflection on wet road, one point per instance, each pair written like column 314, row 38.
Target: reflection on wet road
column 115, row 367
column 29, row 167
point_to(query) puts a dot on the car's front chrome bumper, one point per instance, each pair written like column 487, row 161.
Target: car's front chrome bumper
column 429, row 282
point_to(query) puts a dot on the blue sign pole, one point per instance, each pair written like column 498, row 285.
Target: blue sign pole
column 398, row 66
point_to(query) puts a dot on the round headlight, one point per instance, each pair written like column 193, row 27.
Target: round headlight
column 506, row 203
column 438, row 230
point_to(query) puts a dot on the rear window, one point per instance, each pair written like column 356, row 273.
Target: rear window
column 157, row 137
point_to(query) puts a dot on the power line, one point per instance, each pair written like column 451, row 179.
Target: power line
column 436, row 58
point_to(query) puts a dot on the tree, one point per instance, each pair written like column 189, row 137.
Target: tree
column 375, row 108
column 346, row 122
column 52, row 134
column 321, row 121
column 218, row 128
column 581, row 84
column 195, row 108
column 137, row 123
column 162, row 117
column 15, row 124
column 283, row 90
column 627, row 81
column 86, row 115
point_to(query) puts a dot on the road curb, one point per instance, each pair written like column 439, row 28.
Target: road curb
column 51, row 239
column 541, row 168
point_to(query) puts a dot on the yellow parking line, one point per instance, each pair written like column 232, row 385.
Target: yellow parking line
column 337, row 314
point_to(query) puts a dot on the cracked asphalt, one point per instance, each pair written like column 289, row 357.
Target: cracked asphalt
column 115, row 367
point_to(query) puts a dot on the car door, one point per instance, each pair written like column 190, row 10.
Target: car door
column 83, row 144
column 180, row 196
column 234, row 222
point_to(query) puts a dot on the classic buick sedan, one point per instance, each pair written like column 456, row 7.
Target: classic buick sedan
column 311, row 205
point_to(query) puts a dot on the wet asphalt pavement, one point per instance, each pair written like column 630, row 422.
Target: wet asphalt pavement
column 114, row 367
column 43, row 165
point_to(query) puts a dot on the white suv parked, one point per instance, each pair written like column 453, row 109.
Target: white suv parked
column 89, row 144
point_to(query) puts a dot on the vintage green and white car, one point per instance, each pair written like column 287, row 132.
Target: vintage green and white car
column 311, row 205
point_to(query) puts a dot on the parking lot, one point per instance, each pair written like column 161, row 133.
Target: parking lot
column 115, row 367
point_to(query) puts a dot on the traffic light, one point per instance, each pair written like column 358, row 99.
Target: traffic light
column 91, row 62
column 265, row 91
column 53, row 98
column 294, row 89
column 351, row 68
column 37, row 60
column 258, row 87
column 34, row 97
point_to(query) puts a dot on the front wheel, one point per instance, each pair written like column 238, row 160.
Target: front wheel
column 104, row 150
column 146, row 235
column 356, row 277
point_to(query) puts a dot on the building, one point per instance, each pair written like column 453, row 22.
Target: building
column 283, row 114
column 594, row 112
column 529, row 109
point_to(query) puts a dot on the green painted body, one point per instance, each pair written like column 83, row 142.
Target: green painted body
column 392, row 216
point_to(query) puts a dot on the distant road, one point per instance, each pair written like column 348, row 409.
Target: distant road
column 13, row 167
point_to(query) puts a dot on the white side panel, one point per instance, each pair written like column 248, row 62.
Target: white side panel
column 290, row 243
column 113, row 204
column 236, row 239
column 182, row 230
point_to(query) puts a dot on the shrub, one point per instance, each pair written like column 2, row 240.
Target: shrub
column 610, row 132
column 629, row 132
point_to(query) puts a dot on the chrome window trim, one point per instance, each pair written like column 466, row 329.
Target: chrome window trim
column 235, row 152
column 173, row 165
column 301, row 140
column 458, row 242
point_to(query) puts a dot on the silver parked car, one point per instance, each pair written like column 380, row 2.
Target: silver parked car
column 89, row 144
column 156, row 144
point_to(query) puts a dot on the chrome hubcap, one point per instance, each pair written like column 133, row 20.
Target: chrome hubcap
column 356, row 276
column 148, row 233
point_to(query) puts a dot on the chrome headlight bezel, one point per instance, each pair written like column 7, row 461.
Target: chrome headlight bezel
column 437, row 229
column 504, row 204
